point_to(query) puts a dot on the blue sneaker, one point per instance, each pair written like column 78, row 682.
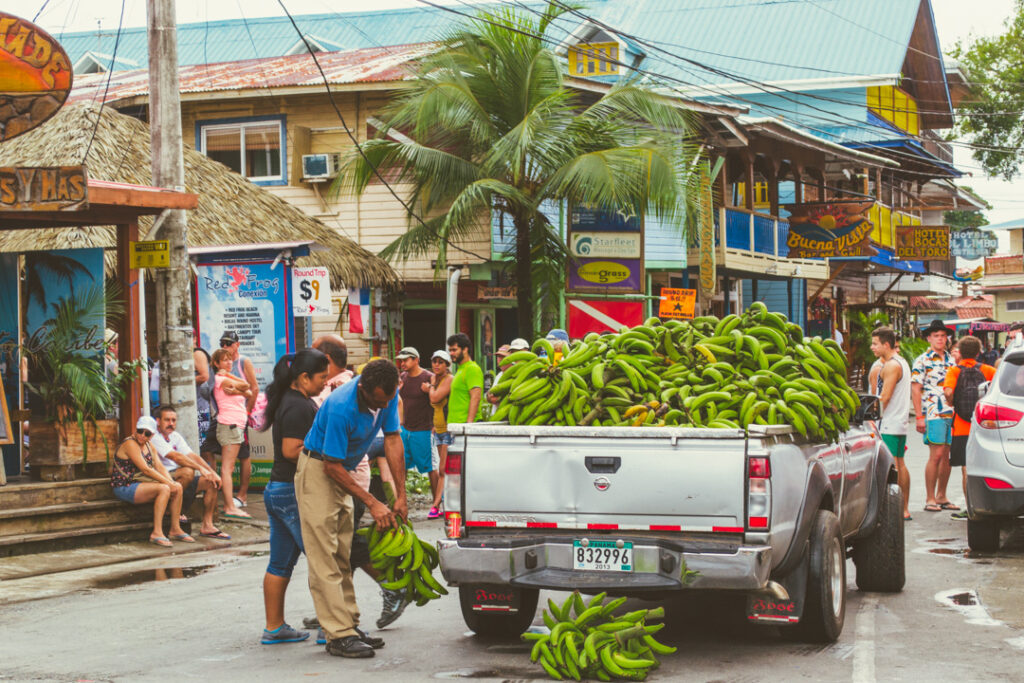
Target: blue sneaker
column 283, row 634
column 321, row 637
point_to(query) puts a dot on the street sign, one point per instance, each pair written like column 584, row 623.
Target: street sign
column 312, row 291
column 677, row 304
column 152, row 254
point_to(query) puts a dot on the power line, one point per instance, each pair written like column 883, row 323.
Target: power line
column 359, row 148
column 106, row 89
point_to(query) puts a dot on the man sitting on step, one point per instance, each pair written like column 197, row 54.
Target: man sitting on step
column 188, row 469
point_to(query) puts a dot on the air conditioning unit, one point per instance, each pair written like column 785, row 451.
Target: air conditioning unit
column 317, row 168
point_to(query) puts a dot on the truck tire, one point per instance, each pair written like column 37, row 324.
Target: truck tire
column 499, row 624
column 825, row 602
column 983, row 534
column 880, row 558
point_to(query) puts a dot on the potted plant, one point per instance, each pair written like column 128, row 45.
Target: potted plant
column 73, row 389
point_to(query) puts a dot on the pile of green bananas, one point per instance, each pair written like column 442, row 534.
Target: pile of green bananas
column 588, row 641
column 406, row 562
column 741, row 370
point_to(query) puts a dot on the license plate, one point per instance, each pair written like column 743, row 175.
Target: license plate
column 603, row 556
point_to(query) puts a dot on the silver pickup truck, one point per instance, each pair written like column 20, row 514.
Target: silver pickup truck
column 643, row 511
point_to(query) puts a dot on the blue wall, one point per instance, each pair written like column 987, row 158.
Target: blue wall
column 778, row 297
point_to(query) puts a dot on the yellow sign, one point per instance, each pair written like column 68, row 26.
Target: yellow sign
column 677, row 304
column 154, row 254
column 923, row 242
column 604, row 272
column 706, row 236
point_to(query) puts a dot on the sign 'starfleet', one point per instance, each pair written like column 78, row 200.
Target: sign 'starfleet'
column 35, row 76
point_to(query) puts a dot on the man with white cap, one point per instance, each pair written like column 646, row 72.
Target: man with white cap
column 506, row 350
column 417, row 413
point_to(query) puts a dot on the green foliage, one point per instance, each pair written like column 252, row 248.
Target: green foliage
column 963, row 220
column 487, row 126
column 417, row 483
column 66, row 361
column 990, row 115
column 911, row 348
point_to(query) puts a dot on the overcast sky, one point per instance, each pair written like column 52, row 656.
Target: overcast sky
column 956, row 20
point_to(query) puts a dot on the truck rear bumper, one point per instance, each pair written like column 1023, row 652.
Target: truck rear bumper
column 548, row 564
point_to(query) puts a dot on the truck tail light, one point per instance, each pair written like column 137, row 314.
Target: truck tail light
column 759, row 493
column 994, row 483
column 990, row 416
column 453, row 494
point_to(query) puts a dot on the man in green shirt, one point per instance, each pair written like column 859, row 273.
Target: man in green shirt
column 468, row 384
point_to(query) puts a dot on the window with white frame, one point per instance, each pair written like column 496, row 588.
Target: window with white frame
column 252, row 148
column 1017, row 305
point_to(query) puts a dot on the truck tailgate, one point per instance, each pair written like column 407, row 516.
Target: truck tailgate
column 663, row 479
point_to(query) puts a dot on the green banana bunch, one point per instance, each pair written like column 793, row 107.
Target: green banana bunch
column 756, row 368
column 587, row 640
column 405, row 562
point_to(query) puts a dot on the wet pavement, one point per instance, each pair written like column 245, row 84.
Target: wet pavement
column 199, row 615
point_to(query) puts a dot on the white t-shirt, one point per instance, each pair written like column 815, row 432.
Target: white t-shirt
column 164, row 446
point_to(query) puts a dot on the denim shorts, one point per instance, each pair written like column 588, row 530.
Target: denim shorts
column 285, row 530
column 938, row 431
column 445, row 439
column 417, row 450
column 126, row 493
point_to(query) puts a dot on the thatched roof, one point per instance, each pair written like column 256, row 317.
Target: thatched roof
column 231, row 209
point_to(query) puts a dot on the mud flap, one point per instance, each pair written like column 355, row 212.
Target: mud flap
column 503, row 599
column 765, row 608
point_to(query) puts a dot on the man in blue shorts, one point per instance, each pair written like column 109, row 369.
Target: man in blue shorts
column 934, row 415
column 417, row 414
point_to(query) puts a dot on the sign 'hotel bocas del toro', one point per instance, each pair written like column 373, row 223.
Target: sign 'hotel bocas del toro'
column 829, row 229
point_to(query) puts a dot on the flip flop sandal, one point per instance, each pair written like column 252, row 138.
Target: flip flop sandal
column 948, row 505
column 238, row 515
column 184, row 538
column 218, row 534
column 160, row 541
column 933, row 507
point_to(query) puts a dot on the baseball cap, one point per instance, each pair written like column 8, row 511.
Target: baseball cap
column 558, row 335
column 443, row 355
column 1019, row 325
column 504, row 350
column 408, row 352
column 229, row 336
column 147, row 423
column 518, row 344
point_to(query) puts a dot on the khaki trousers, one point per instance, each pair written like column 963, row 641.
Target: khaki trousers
column 325, row 511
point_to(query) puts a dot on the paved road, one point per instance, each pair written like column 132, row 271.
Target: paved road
column 89, row 625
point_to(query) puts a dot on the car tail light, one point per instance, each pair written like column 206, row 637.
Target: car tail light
column 991, row 416
column 453, row 463
column 993, row 483
column 759, row 493
column 453, row 494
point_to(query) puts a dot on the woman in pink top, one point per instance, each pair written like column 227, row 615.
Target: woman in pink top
column 230, row 393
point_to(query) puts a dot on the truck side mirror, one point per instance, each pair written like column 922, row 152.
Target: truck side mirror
column 870, row 409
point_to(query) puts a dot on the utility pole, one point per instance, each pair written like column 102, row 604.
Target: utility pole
column 173, row 307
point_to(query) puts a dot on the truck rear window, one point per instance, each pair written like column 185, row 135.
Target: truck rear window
column 1011, row 376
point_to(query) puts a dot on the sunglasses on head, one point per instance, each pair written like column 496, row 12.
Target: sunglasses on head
column 144, row 432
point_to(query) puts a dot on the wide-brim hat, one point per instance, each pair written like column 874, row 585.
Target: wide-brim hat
column 937, row 326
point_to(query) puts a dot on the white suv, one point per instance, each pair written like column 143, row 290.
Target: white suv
column 995, row 454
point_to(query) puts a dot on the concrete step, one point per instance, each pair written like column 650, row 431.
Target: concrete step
column 22, row 544
column 40, row 493
column 95, row 513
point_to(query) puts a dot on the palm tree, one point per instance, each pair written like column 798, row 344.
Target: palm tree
column 488, row 125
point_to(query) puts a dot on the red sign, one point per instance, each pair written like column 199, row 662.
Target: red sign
column 35, row 76
column 602, row 316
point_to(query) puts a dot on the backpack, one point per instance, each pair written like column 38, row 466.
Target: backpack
column 966, row 393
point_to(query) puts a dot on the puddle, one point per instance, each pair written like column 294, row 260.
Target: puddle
column 515, row 674
column 141, row 576
column 969, row 605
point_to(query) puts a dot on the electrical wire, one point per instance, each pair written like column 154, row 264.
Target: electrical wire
column 359, row 148
column 106, row 89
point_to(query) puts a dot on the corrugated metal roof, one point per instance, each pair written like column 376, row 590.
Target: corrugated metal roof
column 352, row 66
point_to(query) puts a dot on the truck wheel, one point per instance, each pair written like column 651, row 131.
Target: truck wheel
column 498, row 624
column 825, row 603
column 880, row 558
column 983, row 534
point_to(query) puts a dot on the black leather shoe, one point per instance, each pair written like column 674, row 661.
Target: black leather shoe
column 372, row 641
column 349, row 646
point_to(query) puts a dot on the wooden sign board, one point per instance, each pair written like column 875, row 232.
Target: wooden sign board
column 923, row 242
column 706, row 236
column 829, row 229
column 43, row 188
column 152, row 254
column 35, row 76
column 677, row 304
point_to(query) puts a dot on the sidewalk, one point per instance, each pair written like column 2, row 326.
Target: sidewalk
column 243, row 533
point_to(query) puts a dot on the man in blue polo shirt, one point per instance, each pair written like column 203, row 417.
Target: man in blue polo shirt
column 341, row 434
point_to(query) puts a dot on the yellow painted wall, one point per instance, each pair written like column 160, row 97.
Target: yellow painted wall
column 895, row 106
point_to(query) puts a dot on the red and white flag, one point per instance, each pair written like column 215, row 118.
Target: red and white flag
column 601, row 316
column 358, row 311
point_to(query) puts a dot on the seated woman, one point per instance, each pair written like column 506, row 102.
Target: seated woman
column 138, row 477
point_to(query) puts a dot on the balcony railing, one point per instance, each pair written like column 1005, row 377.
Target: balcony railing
column 756, row 232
